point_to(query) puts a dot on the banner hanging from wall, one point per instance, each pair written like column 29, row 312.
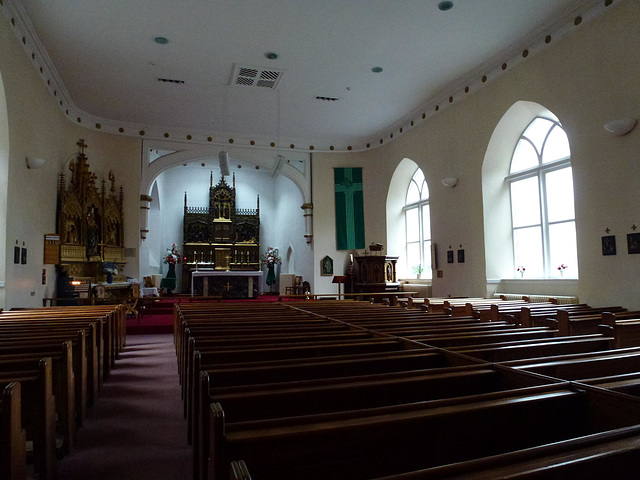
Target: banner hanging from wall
column 349, row 208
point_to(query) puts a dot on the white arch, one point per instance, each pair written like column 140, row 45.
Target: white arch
column 495, row 191
column 4, row 180
column 150, row 171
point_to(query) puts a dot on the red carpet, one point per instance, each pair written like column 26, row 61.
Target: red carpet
column 156, row 315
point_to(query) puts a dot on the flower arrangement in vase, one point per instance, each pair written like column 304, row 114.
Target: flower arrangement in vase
column 521, row 270
column 561, row 269
column 271, row 258
column 110, row 269
column 173, row 255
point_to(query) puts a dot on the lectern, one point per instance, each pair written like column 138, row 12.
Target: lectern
column 339, row 279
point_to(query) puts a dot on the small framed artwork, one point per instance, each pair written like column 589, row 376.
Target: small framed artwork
column 449, row 256
column 16, row 254
column 460, row 256
column 23, row 257
column 609, row 245
column 633, row 242
column 326, row 265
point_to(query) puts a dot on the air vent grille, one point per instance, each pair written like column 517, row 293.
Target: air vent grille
column 170, row 80
column 328, row 99
column 256, row 77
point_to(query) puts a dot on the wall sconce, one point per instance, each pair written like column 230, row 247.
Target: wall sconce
column 449, row 181
column 620, row 127
column 35, row 162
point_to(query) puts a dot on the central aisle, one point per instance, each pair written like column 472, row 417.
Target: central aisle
column 136, row 429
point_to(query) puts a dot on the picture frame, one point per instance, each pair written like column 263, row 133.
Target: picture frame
column 633, row 243
column 449, row 256
column 23, row 256
column 461, row 256
column 326, row 266
column 609, row 245
column 16, row 254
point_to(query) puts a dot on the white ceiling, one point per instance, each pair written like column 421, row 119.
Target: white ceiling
column 105, row 65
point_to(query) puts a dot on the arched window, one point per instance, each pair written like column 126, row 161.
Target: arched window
column 542, row 205
column 418, row 225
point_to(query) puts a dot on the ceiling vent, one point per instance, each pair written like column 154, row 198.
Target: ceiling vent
column 328, row 99
column 256, row 77
column 170, row 80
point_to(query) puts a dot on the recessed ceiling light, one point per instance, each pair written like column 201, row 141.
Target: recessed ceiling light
column 271, row 55
column 161, row 40
column 444, row 6
column 376, row 69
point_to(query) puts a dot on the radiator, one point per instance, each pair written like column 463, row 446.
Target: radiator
column 559, row 299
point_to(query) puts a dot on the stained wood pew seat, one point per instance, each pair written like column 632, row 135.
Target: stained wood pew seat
column 13, row 458
column 369, row 446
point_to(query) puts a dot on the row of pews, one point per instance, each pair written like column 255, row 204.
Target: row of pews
column 354, row 390
column 53, row 362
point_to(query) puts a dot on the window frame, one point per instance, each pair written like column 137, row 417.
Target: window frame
column 425, row 257
column 540, row 172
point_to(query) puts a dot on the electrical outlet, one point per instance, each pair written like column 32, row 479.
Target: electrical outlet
column 33, row 294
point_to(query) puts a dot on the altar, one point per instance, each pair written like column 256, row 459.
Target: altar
column 227, row 284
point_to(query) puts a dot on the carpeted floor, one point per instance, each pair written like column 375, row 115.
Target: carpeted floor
column 136, row 430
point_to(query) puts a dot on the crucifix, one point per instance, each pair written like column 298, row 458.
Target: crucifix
column 227, row 287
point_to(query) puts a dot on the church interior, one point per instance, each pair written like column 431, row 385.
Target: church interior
column 260, row 156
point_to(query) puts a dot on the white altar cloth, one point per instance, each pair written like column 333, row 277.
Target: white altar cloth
column 231, row 273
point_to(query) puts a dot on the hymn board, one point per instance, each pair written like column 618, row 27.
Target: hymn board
column 221, row 238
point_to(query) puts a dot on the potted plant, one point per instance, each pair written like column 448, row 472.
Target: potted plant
column 418, row 269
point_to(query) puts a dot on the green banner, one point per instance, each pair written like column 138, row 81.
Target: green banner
column 349, row 208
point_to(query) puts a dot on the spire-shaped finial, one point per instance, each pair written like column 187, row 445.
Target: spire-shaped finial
column 185, row 199
column 234, row 180
column 210, row 180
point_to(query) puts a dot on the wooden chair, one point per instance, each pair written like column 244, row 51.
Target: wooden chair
column 295, row 289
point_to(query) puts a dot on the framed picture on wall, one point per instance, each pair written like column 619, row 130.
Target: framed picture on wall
column 23, row 258
column 449, row 256
column 460, row 256
column 16, row 254
column 633, row 242
column 326, row 265
column 609, row 245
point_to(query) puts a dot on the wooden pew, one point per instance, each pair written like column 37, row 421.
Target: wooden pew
column 38, row 413
column 501, row 352
column 13, row 457
column 48, row 344
column 584, row 365
column 572, row 322
column 358, row 445
column 624, row 327
column 449, row 340
column 403, row 390
column 611, row 454
column 63, row 385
